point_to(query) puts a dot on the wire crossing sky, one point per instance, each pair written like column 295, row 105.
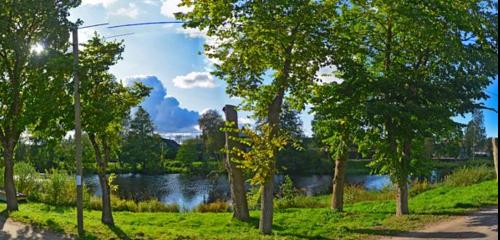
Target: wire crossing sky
column 160, row 53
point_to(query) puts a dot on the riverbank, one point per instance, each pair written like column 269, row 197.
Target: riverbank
column 360, row 220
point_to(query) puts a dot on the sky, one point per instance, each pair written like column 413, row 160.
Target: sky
column 170, row 59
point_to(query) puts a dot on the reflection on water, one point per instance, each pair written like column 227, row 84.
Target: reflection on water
column 190, row 191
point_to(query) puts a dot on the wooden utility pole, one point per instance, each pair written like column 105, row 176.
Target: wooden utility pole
column 235, row 175
column 494, row 143
column 78, row 134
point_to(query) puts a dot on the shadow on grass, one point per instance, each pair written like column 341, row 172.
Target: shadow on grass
column 119, row 232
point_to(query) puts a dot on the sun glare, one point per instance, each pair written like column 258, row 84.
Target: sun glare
column 37, row 48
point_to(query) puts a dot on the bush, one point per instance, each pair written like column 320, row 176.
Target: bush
column 469, row 175
column 118, row 204
column 355, row 193
column 217, row 206
column 253, row 198
column 26, row 178
column 418, row 187
column 58, row 188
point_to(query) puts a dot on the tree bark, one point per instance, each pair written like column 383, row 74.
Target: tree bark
column 338, row 184
column 107, row 216
column 494, row 142
column 9, row 185
column 266, row 206
column 267, row 197
column 402, row 195
column 235, row 174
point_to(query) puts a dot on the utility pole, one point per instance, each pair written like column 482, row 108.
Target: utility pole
column 78, row 134
column 494, row 142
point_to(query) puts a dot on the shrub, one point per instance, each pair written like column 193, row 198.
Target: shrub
column 217, row 206
column 27, row 178
column 469, row 175
column 253, row 198
column 418, row 187
column 58, row 188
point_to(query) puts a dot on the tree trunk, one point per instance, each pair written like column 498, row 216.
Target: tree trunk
column 266, row 206
column 235, row 174
column 402, row 198
column 9, row 185
column 495, row 153
column 267, row 198
column 338, row 184
column 107, row 216
column 402, row 195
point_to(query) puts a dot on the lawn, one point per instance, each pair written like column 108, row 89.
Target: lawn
column 360, row 220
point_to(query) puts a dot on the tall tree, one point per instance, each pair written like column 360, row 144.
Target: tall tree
column 105, row 105
column 210, row 124
column 475, row 134
column 418, row 65
column 141, row 144
column 267, row 50
column 337, row 122
column 27, row 79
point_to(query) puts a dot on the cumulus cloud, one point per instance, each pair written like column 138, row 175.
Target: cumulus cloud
column 165, row 112
column 170, row 7
column 131, row 11
column 195, row 80
column 104, row 3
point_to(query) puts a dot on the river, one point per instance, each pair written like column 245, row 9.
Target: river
column 190, row 191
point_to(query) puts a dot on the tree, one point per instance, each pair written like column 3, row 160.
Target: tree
column 418, row 65
column 475, row 134
column 105, row 105
column 337, row 121
column 141, row 144
column 267, row 50
column 29, row 80
column 189, row 152
column 210, row 124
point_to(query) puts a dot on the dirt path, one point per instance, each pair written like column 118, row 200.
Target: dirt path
column 19, row 231
column 482, row 224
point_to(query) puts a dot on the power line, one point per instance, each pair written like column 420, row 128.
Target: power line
column 144, row 23
column 95, row 25
column 120, row 35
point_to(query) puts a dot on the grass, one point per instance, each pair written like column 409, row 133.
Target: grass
column 360, row 220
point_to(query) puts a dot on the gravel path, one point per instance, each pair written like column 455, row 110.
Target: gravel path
column 482, row 224
column 15, row 230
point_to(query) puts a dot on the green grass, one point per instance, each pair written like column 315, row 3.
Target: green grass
column 360, row 220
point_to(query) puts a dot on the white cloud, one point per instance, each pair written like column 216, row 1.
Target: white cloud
column 327, row 75
column 152, row 2
column 104, row 3
column 170, row 7
column 132, row 11
column 195, row 80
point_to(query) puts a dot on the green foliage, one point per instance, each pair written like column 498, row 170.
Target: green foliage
column 259, row 152
column 475, row 134
column 142, row 147
column 58, row 189
column 287, row 189
column 467, row 176
column 26, row 178
column 118, row 204
column 210, row 123
column 189, row 152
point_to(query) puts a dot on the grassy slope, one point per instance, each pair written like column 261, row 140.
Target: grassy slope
column 360, row 220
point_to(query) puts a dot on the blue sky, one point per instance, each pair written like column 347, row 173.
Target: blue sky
column 168, row 58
